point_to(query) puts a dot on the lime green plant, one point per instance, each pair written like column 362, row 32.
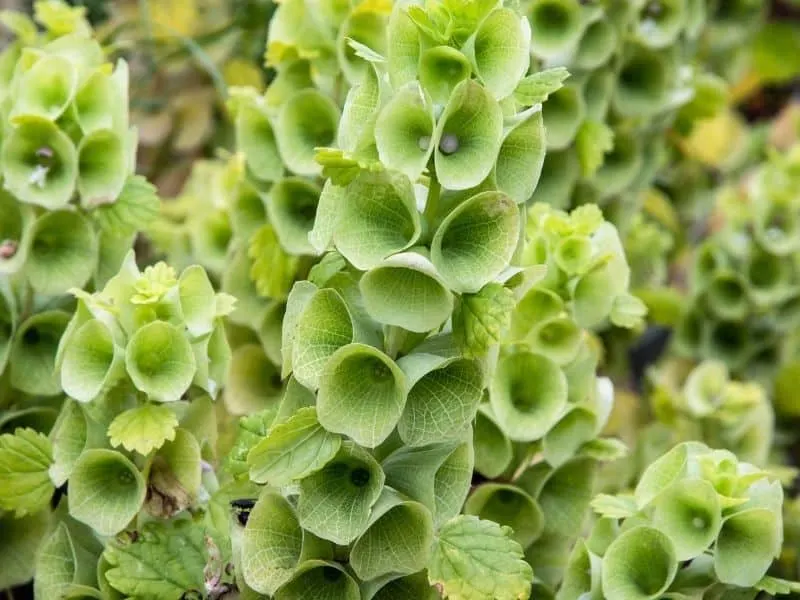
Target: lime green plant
column 698, row 522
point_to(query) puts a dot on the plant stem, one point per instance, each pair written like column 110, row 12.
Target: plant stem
column 432, row 205
column 393, row 339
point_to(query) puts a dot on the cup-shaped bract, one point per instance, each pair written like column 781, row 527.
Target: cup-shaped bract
column 441, row 69
column 319, row 579
column 255, row 137
column 493, row 450
column 46, row 89
column 500, row 51
column 563, row 112
column 362, row 393
column 442, row 399
column 528, row 391
column 393, row 587
column 508, row 505
column 15, row 232
column 727, row 341
column 537, row 305
column 307, row 121
column 689, row 512
column 768, row 277
column 33, row 353
column 404, row 525
column 404, row 130
column 40, row 163
column 469, row 134
column 662, row 21
column 102, row 167
column 557, row 338
column 106, row 491
column 292, row 207
column 404, row 45
column 643, row 82
column 92, row 362
column 560, row 173
column 406, row 291
column 63, row 252
column 253, row 381
column 335, row 502
column 521, row 157
column 746, row 546
column 705, row 386
column 476, row 241
column 198, row 301
column 160, row 361
column 575, row 428
column 727, row 296
column 620, row 166
column 597, row 45
column 323, row 326
column 101, row 101
column 271, row 544
column 365, row 27
column 564, row 496
column 556, row 26
column 639, row 565
column 378, row 217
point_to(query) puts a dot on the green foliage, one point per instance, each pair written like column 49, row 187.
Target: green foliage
column 415, row 276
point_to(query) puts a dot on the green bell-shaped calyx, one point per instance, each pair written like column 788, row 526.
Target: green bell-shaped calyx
column 469, row 134
column 292, row 208
column 15, row 232
column 40, row 163
column 102, row 167
column 405, row 131
column 319, row 579
column 476, row 241
column 404, row 525
column 92, row 362
column 640, row 564
column 106, row 491
column 528, row 391
column 307, row 121
column 272, row 544
column 442, row 399
column 378, row 217
column 508, row 505
column 33, row 353
column 46, row 89
column 336, row 501
column 406, row 291
column 160, row 361
column 362, row 394
column 63, row 252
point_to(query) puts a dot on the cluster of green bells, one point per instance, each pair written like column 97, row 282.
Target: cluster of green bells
column 410, row 309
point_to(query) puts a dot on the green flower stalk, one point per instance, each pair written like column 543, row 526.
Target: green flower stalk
column 744, row 284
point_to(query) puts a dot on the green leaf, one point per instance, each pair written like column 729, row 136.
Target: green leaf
column 25, row 457
column 478, row 560
column 251, row 430
column 594, row 140
column 163, row 562
column 628, row 311
column 536, row 88
column 614, row 507
column 292, row 450
column 775, row 586
column 143, row 429
column 273, row 270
